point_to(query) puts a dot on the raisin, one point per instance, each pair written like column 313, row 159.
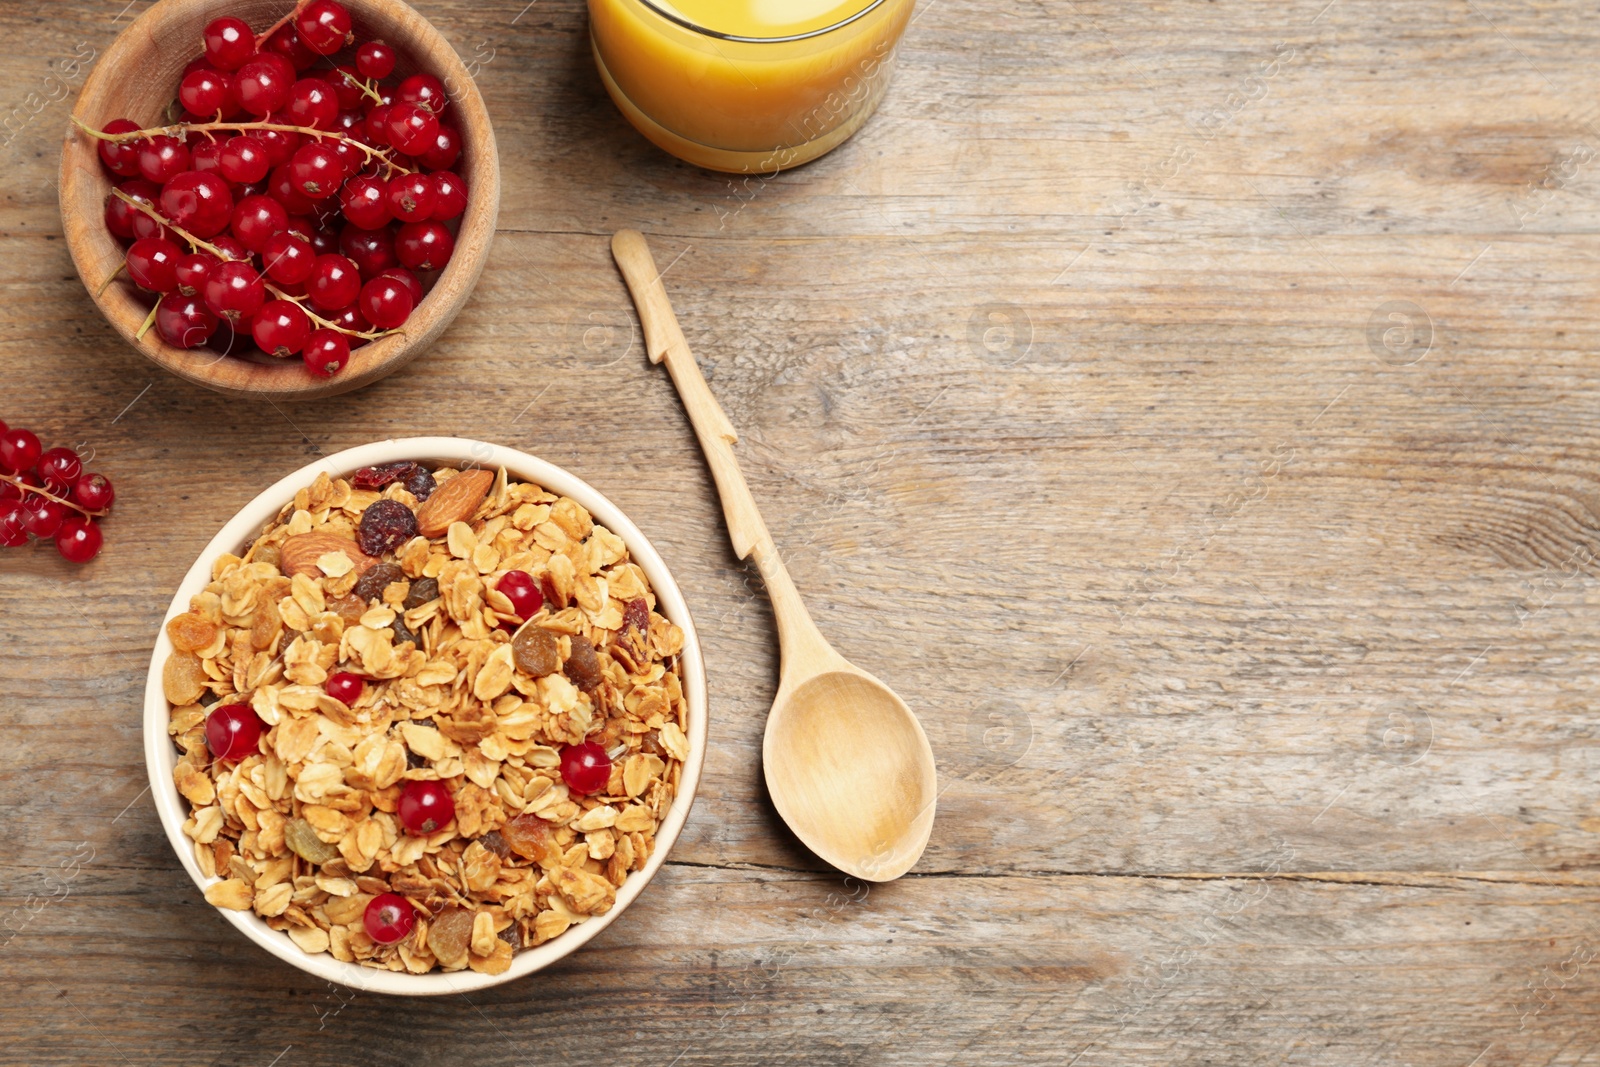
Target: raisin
column 304, row 842
column 266, row 624
column 495, row 842
column 377, row 579
column 529, row 836
column 422, row 591
column 583, row 666
column 420, row 483
column 191, row 631
column 413, row 761
column 535, row 651
column 266, row 554
column 449, row 935
column 637, row 615
column 402, row 634
column 381, row 475
column 349, row 607
column 512, row 935
column 385, row 526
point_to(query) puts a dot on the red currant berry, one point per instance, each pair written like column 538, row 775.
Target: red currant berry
column 256, row 219
column 45, row 518
column 19, row 449
column 184, row 321
column 407, row 279
column 523, row 592
column 234, row 732
column 289, row 258
column 13, row 523
column 243, row 159
column 264, row 83
column 347, row 83
column 326, row 353
column 424, row 245
column 372, row 251
column 78, row 540
column 59, row 467
column 120, row 157
column 344, row 686
column 386, row 302
column 229, row 248
column 444, row 150
column 334, row 282
column 229, row 43
column 120, row 214
column 449, row 195
column 316, row 171
column 190, row 272
column 162, row 158
column 389, row 918
column 425, row 807
column 585, row 768
column 411, row 129
column 234, row 291
column 200, row 203
column 94, row 491
column 375, row 60
column 350, row 318
column 205, row 92
column 324, row 242
column 206, row 157
column 280, row 328
column 423, row 90
column 364, row 201
column 152, row 264
column 286, row 42
column 312, row 102
column 324, row 26
column 280, row 145
column 281, row 187
column 410, row 197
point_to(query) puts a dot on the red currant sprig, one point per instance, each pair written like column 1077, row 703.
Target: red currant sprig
column 45, row 493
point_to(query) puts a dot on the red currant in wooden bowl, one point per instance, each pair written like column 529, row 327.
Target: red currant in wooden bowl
column 222, row 129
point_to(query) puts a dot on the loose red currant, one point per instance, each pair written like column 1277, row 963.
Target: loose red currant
column 443, row 151
column 347, row 83
column 184, row 321
column 120, row 215
column 378, row 125
column 389, row 918
column 120, row 157
column 162, row 158
column 449, row 195
column 280, row 328
column 19, row 449
column 288, row 258
column 324, row 26
column 281, row 187
column 200, row 203
column 350, row 318
column 364, row 201
column 13, row 523
column 423, row 90
column 206, row 157
column 243, row 159
column 45, row 518
column 94, row 491
column 375, row 60
column 344, row 686
column 410, row 197
column 190, row 272
column 425, row 807
column 59, row 467
column 152, row 264
column 407, row 279
column 229, row 248
column 334, row 282
column 229, row 43
column 205, row 92
column 316, row 170
column 585, row 768
column 264, row 82
column 280, row 145
column 234, row 291
column 386, row 302
column 326, row 353
column 234, row 732
column 256, row 219
column 286, row 42
column 372, row 251
column 78, row 540
column 523, row 592
column 411, row 128
column 424, row 245
column 312, row 102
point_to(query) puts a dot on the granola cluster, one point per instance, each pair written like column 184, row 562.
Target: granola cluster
column 460, row 690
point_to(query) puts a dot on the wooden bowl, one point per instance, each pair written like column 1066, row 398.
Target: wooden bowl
column 137, row 78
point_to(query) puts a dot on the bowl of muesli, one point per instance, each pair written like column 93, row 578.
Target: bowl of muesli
column 425, row 716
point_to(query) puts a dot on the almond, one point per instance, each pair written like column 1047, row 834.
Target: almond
column 300, row 553
column 455, row 500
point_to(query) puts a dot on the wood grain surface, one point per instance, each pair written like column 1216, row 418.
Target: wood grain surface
column 1187, row 407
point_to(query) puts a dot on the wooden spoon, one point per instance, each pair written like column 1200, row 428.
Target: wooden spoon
column 846, row 762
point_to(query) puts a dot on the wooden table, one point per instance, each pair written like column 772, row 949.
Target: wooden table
column 1188, row 408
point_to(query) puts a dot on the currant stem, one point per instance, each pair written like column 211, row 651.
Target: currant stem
column 149, row 321
column 262, row 38
column 17, row 481
column 195, row 242
column 182, row 129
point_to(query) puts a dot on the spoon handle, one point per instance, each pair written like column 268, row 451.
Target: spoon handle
column 664, row 342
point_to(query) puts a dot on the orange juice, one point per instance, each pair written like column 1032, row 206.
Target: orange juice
column 748, row 86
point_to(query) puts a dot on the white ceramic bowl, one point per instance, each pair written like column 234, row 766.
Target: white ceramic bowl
column 161, row 754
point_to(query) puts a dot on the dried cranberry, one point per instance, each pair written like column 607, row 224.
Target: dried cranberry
column 381, row 475
column 385, row 526
column 637, row 615
column 420, row 483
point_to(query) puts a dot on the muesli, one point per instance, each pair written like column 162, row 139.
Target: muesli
column 428, row 719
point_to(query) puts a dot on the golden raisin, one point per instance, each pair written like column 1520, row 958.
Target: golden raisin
column 449, row 935
column 191, row 631
column 183, row 679
column 530, row 837
column 349, row 607
column 583, row 666
column 535, row 651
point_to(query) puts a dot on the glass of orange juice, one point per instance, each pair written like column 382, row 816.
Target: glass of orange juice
column 746, row 86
